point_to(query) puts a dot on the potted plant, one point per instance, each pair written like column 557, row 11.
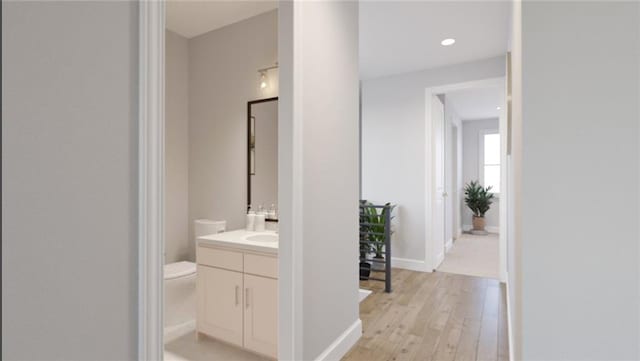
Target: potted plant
column 365, row 248
column 365, row 267
column 376, row 226
column 479, row 200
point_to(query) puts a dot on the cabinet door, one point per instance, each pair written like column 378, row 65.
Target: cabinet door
column 220, row 304
column 261, row 315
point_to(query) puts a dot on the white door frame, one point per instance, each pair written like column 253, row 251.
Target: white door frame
column 435, row 258
column 151, row 168
column 151, row 179
column 290, row 191
column 430, row 256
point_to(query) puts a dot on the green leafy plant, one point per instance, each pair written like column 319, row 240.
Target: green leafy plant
column 478, row 198
column 365, row 247
column 375, row 220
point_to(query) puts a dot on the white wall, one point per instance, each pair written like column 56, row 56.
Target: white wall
column 580, row 181
column 177, row 243
column 223, row 77
column 69, row 180
column 319, row 177
column 393, row 143
column 472, row 130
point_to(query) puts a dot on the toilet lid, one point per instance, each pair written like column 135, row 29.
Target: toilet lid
column 179, row 269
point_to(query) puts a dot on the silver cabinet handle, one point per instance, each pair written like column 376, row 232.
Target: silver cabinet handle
column 246, row 297
column 237, row 295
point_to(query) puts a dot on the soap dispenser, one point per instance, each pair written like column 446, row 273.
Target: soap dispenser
column 251, row 219
column 273, row 213
column 260, row 220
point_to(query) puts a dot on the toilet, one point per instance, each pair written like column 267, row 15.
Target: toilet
column 180, row 287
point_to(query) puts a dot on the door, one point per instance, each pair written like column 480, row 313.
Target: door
column 439, row 208
column 453, row 198
column 220, row 304
column 260, row 315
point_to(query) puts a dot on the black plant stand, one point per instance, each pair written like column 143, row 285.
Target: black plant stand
column 365, row 239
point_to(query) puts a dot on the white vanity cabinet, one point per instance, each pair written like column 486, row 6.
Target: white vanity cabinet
column 219, row 307
column 237, row 295
column 261, row 316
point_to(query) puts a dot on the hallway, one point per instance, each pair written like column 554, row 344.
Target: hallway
column 433, row 316
column 473, row 255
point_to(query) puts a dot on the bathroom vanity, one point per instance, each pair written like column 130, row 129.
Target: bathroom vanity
column 237, row 271
column 237, row 289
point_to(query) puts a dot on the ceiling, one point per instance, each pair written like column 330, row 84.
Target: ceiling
column 191, row 18
column 476, row 103
column 404, row 36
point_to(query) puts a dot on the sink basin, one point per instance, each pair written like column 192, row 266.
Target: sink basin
column 262, row 238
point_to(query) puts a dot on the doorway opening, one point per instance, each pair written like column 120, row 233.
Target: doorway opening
column 221, row 182
column 468, row 188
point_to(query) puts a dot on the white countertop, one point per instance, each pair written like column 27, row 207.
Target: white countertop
column 237, row 239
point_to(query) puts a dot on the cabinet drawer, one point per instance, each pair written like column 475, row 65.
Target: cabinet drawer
column 220, row 258
column 261, row 265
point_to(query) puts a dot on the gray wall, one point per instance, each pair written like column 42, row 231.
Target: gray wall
column 580, row 181
column 223, row 77
column 329, row 100
column 471, row 163
column 69, row 165
column 178, row 245
column 318, row 179
column 393, row 139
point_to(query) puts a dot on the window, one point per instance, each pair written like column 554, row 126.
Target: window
column 491, row 162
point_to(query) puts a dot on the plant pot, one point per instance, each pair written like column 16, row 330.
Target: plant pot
column 478, row 223
column 478, row 226
column 365, row 270
column 378, row 266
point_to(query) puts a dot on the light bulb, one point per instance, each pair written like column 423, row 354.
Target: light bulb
column 263, row 81
column 447, row 42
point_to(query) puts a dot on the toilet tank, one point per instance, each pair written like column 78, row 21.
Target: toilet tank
column 203, row 227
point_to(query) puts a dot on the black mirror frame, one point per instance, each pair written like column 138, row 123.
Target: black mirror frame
column 249, row 116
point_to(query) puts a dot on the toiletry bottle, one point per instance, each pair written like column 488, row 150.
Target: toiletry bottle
column 273, row 214
column 251, row 219
column 260, row 220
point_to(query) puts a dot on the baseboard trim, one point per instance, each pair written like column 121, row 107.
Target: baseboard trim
column 448, row 245
column 343, row 343
column 409, row 264
column 509, row 324
column 439, row 259
column 362, row 294
column 490, row 229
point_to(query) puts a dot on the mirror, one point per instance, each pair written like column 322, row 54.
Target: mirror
column 262, row 159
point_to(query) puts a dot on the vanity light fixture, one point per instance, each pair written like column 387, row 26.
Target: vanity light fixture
column 264, row 80
column 448, row 41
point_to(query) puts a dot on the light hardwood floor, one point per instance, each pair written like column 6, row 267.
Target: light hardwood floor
column 433, row 316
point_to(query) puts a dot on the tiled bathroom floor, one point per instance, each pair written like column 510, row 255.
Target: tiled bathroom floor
column 187, row 348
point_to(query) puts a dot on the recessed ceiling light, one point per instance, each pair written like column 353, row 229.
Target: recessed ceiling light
column 498, row 108
column 447, row 42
